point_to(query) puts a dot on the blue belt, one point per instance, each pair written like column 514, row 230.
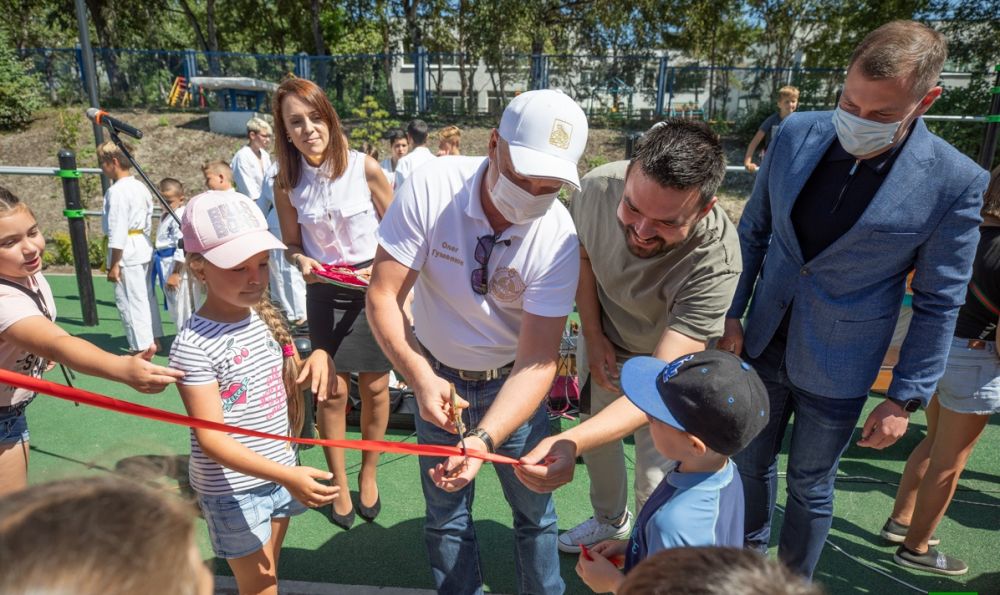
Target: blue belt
column 156, row 274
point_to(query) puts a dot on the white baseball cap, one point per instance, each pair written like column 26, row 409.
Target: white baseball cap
column 226, row 228
column 546, row 131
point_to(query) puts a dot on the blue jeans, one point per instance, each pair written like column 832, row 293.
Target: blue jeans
column 448, row 530
column 239, row 523
column 821, row 433
column 13, row 427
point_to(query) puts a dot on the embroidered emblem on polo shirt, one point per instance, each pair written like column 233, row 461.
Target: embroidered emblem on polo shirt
column 561, row 134
column 506, row 284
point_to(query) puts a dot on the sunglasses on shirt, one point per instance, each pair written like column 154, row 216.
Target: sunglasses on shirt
column 484, row 249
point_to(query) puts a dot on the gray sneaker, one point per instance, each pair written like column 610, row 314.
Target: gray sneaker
column 930, row 561
column 592, row 531
column 896, row 532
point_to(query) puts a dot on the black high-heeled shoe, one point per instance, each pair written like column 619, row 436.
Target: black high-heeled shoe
column 368, row 512
column 344, row 521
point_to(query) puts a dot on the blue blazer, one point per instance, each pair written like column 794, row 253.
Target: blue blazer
column 846, row 300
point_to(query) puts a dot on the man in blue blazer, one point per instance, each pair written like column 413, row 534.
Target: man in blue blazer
column 845, row 205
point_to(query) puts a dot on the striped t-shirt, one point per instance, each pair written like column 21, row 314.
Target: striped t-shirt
column 245, row 361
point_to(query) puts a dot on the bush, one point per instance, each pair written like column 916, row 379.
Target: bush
column 747, row 124
column 68, row 128
column 59, row 251
column 20, row 92
column 375, row 122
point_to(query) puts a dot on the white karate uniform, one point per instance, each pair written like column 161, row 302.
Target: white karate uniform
column 127, row 222
column 286, row 282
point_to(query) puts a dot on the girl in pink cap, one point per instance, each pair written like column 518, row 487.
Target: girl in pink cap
column 241, row 369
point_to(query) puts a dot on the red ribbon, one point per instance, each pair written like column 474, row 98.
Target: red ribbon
column 104, row 402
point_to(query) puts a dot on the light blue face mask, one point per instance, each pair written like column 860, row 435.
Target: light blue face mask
column 861, row 137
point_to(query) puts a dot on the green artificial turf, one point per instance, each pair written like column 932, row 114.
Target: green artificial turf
column 69, row 441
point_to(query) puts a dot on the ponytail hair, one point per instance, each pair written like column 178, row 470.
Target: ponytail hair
column 290, row 368
column 9, row 203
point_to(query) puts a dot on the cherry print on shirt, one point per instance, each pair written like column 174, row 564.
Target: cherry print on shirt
column 241, row 352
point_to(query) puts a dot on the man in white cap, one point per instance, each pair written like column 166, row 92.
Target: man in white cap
column 494, row 258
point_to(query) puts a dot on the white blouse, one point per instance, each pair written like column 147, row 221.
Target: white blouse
column 337, row 217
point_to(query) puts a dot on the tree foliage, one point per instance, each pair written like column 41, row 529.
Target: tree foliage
column 19, row 91
column 709, row 37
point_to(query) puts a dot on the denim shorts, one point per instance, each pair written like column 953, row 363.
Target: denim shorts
column 239, row 524
column 971, row 380
column 13, row 428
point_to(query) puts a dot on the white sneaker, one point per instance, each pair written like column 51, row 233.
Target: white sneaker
column 592, row 531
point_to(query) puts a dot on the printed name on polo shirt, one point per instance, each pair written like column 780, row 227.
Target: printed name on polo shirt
column 448, row 257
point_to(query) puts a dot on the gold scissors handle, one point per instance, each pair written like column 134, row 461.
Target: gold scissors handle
column 456, row 418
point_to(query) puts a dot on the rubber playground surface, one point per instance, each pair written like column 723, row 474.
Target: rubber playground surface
column 69, row 440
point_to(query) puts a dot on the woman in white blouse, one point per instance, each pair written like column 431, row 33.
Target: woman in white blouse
column 329, row 201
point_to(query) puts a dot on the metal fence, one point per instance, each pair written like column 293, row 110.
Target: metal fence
column 614, row 88
column 623, row 87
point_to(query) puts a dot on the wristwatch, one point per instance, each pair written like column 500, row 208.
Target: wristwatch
column 908, row 405
column 484, row 436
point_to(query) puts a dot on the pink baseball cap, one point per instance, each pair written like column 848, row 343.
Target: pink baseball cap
column 226, row 228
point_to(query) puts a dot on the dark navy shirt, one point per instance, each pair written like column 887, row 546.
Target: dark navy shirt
column 689, row 509
column 833, row 199
column 836, row 194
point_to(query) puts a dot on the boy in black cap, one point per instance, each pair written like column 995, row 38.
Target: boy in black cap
column 702, row 408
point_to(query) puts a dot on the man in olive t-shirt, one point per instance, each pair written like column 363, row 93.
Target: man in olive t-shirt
column 659, row 265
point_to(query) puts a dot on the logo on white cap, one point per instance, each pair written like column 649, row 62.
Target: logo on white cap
column 547, row 132
column 562, row 133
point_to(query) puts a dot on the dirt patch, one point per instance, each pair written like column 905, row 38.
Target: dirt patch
column 177, row 143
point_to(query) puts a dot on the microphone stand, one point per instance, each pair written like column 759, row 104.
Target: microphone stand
column 113, row 133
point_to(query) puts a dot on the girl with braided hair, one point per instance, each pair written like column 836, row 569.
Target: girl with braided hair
column 241, row 369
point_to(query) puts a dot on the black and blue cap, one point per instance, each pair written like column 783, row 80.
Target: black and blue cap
column 712, row 394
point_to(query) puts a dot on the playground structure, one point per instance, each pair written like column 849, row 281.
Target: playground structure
column 241, row 99
column 181, row 94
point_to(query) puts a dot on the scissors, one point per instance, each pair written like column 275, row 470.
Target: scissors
column 456, row 418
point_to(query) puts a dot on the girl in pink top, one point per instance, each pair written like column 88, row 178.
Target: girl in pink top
column 30, row 341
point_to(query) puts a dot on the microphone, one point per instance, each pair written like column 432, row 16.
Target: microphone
column 101, row 118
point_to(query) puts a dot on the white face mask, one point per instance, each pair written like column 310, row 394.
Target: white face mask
column 861, row 137
column 516, row 204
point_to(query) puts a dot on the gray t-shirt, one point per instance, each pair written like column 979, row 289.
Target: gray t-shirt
column 769, row 127
column 687, row 289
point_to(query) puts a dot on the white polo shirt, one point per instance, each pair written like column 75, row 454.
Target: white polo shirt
column 409, row 163
column 433, row 226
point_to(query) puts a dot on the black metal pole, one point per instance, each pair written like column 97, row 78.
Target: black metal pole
column 90, row 75
column 78, row 236
column 989, row 148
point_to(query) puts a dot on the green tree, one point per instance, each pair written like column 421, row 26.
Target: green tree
column 972, row 28
column 375, row 122
column 20, row 92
